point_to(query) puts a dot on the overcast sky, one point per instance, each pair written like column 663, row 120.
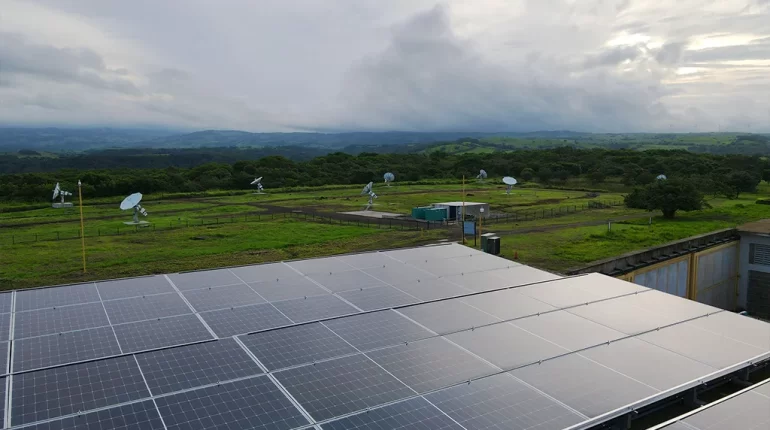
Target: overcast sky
column 423, row 65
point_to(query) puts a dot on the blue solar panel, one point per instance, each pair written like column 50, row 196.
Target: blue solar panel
column 58, row 320
column 134, row 287
column 314, row 308
column 414, row 413
column 377, row 329
column 64, row 348
column 146, row 308
column 58, row 296
column 134, row 416
column 245, row 319
column 146, row 335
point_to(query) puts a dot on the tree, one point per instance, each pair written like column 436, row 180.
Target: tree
column 527, row 174
column 545, row 174
column 596, row 176
column 740, row 181
column 667, row 196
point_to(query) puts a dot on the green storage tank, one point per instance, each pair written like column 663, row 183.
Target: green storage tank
column 484, row 241
column 418, row 213
column 435, row 214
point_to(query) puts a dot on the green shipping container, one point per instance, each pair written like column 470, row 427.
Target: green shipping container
column 435, row 214
column 418, row 213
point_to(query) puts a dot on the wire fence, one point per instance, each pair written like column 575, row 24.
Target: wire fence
column 404, row 224
column 533, row 214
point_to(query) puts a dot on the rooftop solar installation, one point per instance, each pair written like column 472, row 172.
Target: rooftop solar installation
column 437, row 337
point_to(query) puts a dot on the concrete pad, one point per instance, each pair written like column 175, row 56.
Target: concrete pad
column 373, row 214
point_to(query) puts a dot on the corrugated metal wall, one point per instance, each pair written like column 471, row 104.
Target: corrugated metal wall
column 669, row 278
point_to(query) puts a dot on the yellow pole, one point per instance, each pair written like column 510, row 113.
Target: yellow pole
column 82, row 230
column 481, row 222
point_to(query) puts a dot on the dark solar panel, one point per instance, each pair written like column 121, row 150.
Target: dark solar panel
column 264, row 272
column 57, row 320
column 254, row 403
column 144, row 335
column 414, row 413
column 292, row 287
column 203, row 279
column 56, row 349
column 378, row 298
column 501, row 402
column 146, row 308
column 506, row 346
column 134, row 287
column 314, row 308
column 320, row 265
column 447, row 316
column 65, row 390
column 209, row 299
column 191, row 366
column 377, row 329
column 344, row 281
column 432, row 289
column 583, row 385
column 58, row 296
column 2, row 396
column 291, row 346
column 133, row 416
column 363, row 261
column 429, row 364
column 5, row 302
column 4, row 346
column 341, row 386
column 398, row 273
column 5, row 326
column 229, row 322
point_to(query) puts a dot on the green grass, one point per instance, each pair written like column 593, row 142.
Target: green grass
column 146, row 252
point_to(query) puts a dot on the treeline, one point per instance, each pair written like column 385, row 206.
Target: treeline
column 725, row 174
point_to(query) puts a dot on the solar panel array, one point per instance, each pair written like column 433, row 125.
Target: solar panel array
column 431, row 337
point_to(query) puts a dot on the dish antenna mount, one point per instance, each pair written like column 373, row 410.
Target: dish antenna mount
column 132, row 202
column 58, row 192
column 509, row 182
column 661, row 177
column 258, row 183
column 368, row 190
column 482, row 175
column 389, row 177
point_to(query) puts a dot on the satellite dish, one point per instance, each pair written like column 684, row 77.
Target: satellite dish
column 482, row 174
column 510, row 182
column 132, row 202
column 368, row 190
column 258, row 183
column 389, row 177
column 56, row 191
column 661, row 177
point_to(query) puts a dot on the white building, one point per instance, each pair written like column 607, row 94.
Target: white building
column 455, row 209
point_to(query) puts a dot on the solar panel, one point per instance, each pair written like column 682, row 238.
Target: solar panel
column 139, row 415
column 314, row 308
column 698, row 344
column 588, row 387
column 58, row 320
column 146, row 308
column 414, row 413
column 4, row 346
column 345, row 281
column 738, row 327
column 394, row 273
column 291, row 346
column 6, row 300
column 632, row 357
column 264, row 272
column 183, row 367
column 622, row 315
column 502, row 402
column 254, row 403
column 507, row 304
column 341, row 386
column 134, row 287
column 522, row 275
column 58, row 296
column 377, row 329
column 245, row 319
column 366, row 260
column 378, row 298
column 2, row 396
column 209, row 299
column 5, row 326
column 446, row 267
column 447, row 316
column 478, row 281
column 506, row 346
column 568, row 330
column 430, row 364
column 203, row 279
column 559, row 293
column 432, row 289
column 291, row 287
column 320, row 265
column 748, row 411
column 145, row 335
column 605, row 286
column 670, row 305
column 51, row 393
column 64, row 348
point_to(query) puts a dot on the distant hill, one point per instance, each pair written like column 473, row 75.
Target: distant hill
column 75, row 139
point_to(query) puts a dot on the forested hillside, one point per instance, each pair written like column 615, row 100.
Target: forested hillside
column 712, row 173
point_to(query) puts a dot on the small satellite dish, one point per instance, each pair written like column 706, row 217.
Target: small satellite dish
column 368, row 190
column 132, row 202
column 661, row 177
column 482, row 175
column 58, row 192
column 510, row 182
column 258, row 183
column 389, row 177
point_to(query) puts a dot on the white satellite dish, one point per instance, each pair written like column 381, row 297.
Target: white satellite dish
column 258, row 183
column 132, row 202
column 389, row 177
column 510, row 182
column 661, row 177
column 368, row 190
column 482, row 175
column 58, row 192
